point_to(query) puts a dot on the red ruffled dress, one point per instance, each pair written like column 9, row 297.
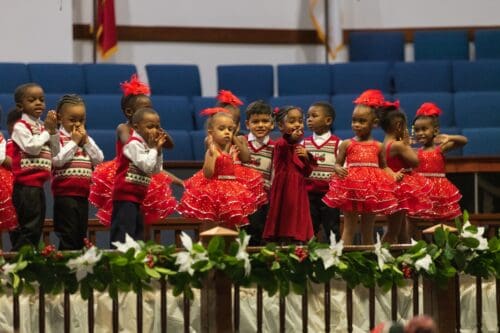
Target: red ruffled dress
column 158, row 203
column 221, row 198
column 366, row 189
column 252, row 179
column 413, row 190
column 289, row 215
column 444, row 195
column 8, row 216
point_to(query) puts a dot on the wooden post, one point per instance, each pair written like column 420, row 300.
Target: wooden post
column 216, row 305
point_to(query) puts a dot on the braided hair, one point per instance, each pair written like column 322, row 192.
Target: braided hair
column 72, row 99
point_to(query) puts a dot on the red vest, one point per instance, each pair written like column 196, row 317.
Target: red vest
column 131, row 183
column 261, row 159
column 73, row 178
column 28, row 169
column 325, row 155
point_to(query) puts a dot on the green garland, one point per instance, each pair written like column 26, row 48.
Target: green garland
column 276, row 269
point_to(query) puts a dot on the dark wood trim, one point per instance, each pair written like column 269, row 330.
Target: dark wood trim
column 244, row 35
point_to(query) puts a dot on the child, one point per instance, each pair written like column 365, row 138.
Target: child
column 260, row 123
column 34, row 145
column 159, row 202
column 140, row 158
column 362, row 187
column 444, row 195
column 8, row 217
column 289, row 217
column 12, row 117
column 323, row 145
column 71, row 174
column 411, row 189
column 217, row 195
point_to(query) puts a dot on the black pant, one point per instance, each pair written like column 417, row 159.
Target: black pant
column 71, row 215
column 256, row 226
column 126, row 219
column 29, row 202
column 323, row 215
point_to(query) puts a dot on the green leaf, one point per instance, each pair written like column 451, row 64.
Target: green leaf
column 440, row 237
column 120, row 261
column 215, row 244
column 465, row 215
column 275, row 266
column 165, row 271
column 471, row 242
column 152, row 272
column 15, row 281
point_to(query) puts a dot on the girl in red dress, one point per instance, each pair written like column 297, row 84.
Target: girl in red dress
column 362, row 187
column 289, row 217
column 412, row 189
column 215, row 194
column 444, row 195
column 159, row 201
column 8, row 216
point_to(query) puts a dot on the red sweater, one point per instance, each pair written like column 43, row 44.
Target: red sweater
column 30, row 170
column 325, row 155
column 73, row 178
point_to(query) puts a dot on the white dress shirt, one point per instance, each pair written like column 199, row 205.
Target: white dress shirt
column 69, row 150
column 320, row 139
column 3, row 145
column 256, row 143
column 32, row 143
column 145, row 158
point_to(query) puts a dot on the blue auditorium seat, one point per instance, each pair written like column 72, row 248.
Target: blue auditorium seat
column 12, row 75
column 174, row 80
column 106, row 78
column 6, row 104
column 482, row 141
column 487, row 43
column 477, row 109
column 344, row 106
column 51, row 101
column 58, row 78
column 106, row 140
column 252, row 81
column 304, row 79
column 422, row 76
column 103, row 111
column 354, row 78
column 304, row 102
column 481, row 75
column 175, row 112
column 441, row 45
column 376, row 46
column 183, row 150
column 198, row 142
column 410, row 102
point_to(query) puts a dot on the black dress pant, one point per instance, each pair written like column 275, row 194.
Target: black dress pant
column 126, row 219
column 256, row 227
column 71, row 216
column 323, row 215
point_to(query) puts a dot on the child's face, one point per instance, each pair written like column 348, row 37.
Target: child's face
column 293, row 121
column 363, row 120
column 222, row 130
column 72, row 117
column 317, row 120
column 140, row 102
column 260, row 125
column 425, row 131
column 33, row 102
column 148, row 127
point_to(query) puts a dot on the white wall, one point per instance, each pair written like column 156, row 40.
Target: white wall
column 34, row 30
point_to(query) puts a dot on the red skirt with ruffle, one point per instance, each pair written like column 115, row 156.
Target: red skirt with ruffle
column 412, row 193
column 8, row 216
column 253, row 181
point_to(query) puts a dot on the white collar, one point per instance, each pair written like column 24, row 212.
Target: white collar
column 29, row 119
column 264, row 141
column 323, row 137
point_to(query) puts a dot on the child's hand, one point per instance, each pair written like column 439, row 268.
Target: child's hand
column 297, row 134
column 301, row 152
column 406, row 137
column 161, row 137
column 50, row 122
column 85, row 138
column 235, row 152
column 340, row 171
column 398, row 176
column 211, row 145
column 77, row 136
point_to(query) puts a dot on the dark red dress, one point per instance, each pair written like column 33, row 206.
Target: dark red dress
column 444, row 195
column 413, row 190
column 289, row 215
column 366, row 189
column 221, row 198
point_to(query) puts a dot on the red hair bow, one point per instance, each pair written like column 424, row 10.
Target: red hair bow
column 372, row 98
column 394, row 104
column 429, row 109
column 135, row 87
column 212, row 111
column 227, row 97
column 276, row 110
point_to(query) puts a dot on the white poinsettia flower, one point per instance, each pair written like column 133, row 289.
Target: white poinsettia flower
column 6, row 271
column 483, row 242
column 423, row 263
column 383, row 255
column 331, row 255
column 243, row 254
column 186, row 259
column 85, row 263
column 413, row 242
column 130, row 243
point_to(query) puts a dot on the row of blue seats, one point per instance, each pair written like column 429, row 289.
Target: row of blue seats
column 257, row 81
column 189, row 145
column 462, row 110
column 427, row 45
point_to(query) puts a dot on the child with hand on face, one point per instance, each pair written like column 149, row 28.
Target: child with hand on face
column 71, row 174
column 34, row 144
column 444, row 195
column 215, row 194
column 141, row 157
column 289, row 218
column 363, row 187
column 323, row 146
